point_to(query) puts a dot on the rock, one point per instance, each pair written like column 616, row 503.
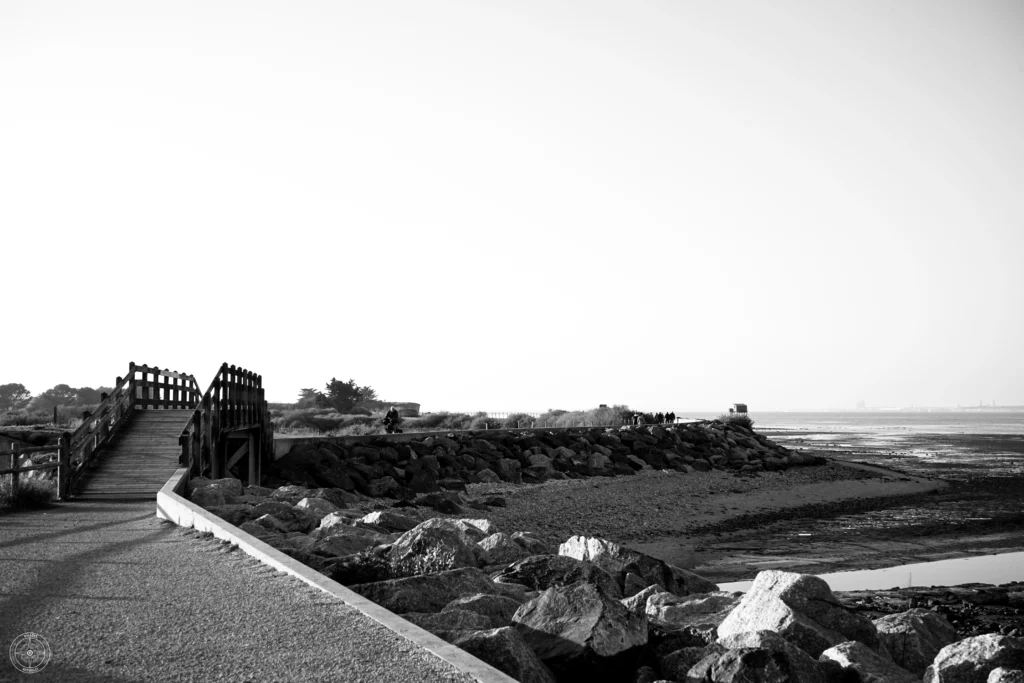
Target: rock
column 748, row 665
column 497, row 608
column 384, row 486
column 800, row 608
column 531, row 544
column 484, row 526
column 971, row 660
column 801, row 667
column 700, row 612
column 294, row 519
column 390, row 520
column 317, row 506
column 488, row 476
column 869, row 665
column 646, row 674
column 436, row 545
column 270, row 523
column 638, row 602
column 342, row 544
column 913, row 638
column 676, row 665
column 506, row 650
column 448, row 620
column 618, row 561
column 228, row 485
column 510, row 470
column 290, row 493
column 270, row 508
column 577, row 629
column 207, row 497
column 501, row 549
column 1003, row 675
column 540, row 572
column 426, row 592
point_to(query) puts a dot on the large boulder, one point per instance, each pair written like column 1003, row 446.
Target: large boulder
column 531, row 543
column 1003, row 675
column 390, row 520
column 317, row 506
column 341, row 545
column 427, row 592
column 800, row 608
column 620, row 561
column 579, row 629
column 700, row 613
column 208, row 497
column 505, row 650
column 746, row 665
column 499, row 609
column 501, row 549
column 971, row 660
column 433, row 546
column 913, row 638
column 870, row 667
column 540, row 572
column 799, row 666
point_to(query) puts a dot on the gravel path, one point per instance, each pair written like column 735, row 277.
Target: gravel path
column 122, row 596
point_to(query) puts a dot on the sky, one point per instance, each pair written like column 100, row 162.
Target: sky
column 520, row 206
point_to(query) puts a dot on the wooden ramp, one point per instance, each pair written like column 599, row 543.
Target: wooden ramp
column 140, row 460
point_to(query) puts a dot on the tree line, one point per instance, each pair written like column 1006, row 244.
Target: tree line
column 342, row 396
column 15, row 397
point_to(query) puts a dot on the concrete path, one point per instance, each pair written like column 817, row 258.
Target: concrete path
column 122, row 596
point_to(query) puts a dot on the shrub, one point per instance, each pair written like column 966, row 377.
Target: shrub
column 516, row 420
column 737, row 419
column 33, row 493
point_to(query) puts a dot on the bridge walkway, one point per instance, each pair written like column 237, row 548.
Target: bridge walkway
column 140, row 460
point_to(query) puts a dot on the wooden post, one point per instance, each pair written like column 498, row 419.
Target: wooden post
column 254, row 475
column 14, row 466
column 184, row 456
column 63, row 466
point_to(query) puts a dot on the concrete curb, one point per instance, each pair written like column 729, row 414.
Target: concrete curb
column 171, row 506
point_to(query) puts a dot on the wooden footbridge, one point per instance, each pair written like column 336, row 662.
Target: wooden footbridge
column 154, row 422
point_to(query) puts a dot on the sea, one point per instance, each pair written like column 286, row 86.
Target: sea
column 938, row 422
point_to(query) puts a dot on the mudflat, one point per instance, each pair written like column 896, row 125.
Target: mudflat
column 871, row 506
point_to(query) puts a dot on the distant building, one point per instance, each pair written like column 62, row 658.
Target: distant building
column 738, row 408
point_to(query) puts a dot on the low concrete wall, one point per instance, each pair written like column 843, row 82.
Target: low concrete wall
column 170, row 505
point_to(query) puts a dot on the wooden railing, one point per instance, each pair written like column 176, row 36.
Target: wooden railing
column 62, row 465
column 233, row 410
column 143, row 388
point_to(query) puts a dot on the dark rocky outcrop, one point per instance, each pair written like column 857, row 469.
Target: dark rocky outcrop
column 436, row 463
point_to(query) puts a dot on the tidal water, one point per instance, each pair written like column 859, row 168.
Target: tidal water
column 954, row 422
column 994, row 569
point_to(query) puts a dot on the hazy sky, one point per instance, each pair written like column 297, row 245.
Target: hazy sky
column 520, row 205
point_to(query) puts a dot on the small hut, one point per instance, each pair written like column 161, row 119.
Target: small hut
column 740, row 408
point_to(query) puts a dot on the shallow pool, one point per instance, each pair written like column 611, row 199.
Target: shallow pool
column 994, row 569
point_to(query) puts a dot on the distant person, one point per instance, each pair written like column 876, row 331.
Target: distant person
column 391, row 420
column 640, row 421
column 671, row 418
column 636, row 419
column 659, row 418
